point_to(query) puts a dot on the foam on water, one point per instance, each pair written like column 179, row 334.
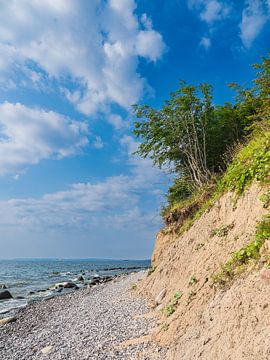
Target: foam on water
column 25, row 278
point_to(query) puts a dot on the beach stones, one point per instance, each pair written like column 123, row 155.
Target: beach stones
column 7, row 320
column 5, row 294
column 46, row 350
column 66, row 285
column 160, row 296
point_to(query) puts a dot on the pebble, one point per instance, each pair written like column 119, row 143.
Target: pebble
column 88, row 324
column 160, row 296
column 46, row 349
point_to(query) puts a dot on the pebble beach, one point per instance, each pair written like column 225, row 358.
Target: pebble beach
column 90, row 323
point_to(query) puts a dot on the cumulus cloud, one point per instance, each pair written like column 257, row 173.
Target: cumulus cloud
column 29, row 135
column 94, row 44
column 117, row 121
column 211, row 11
column 254, row 17
column 205, row 42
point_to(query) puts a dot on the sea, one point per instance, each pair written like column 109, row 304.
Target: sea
column 31, row 280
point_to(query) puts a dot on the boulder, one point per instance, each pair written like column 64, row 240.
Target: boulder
column 66, row 285
column 160, row 296
column 93, row 282
column 3, row 286
column 5, row 295
column 80, row 278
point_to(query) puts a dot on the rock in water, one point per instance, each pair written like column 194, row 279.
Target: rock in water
column 3, row 286
column 160, row 296
column 80, row 278
column 5, row 295
column 66, row 285
column 7, row 320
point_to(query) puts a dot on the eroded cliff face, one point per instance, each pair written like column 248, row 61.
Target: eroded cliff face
column 210, row 322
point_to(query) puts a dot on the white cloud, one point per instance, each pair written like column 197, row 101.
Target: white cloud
column 113, row 202
column 117, row 121
column 98, row 143
column 28, row 136
column 254, row 17
column 205, row 42
column 211, row 11
column 95, row 44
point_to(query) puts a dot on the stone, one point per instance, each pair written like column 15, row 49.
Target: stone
column 265, row 275
column 5, row 295
column 3, row 286
column 160, row 296
column 46, row 349
column 7, row 320
column 80, row 278
column 66, row 285
column 160, row 307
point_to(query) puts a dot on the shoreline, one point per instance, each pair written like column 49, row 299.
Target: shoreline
column 29, row 281
column 90, row 323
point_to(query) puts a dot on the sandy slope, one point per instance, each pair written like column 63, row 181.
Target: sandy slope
column 210, row 323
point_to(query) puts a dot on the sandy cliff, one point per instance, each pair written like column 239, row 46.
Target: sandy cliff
column 198, row 319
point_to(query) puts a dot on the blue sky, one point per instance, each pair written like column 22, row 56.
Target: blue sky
column 70, row 185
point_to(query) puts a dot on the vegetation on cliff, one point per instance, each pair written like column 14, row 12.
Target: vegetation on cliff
column 210, row 148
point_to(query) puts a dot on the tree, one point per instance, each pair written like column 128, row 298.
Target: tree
column 188, row 134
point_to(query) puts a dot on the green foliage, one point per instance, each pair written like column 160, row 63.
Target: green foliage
column 189, row 134
column 237, row 263
column 241, row 258
column 134, row 286
column 251, row 163
column 193, row 280
column 151, row 270
column 222, row 231
column 180, row 190
column 263, row 228
column 165, row 327
column 191, row 296
column 200, row 142
column 265, row 198
column 171, row 306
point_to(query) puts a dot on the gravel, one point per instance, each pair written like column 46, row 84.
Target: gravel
column 87, row 324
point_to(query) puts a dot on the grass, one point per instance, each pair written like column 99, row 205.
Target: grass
column 251, row 163
column 165, row 327
column 151, row 270
column 222, row 231
column 265, row 199
column 243, row 257
column 193, row 280
column 171, row 306
column 191, row 296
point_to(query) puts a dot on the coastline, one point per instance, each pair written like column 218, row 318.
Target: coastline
column 90, row 323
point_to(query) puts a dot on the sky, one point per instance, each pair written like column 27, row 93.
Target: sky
column 70, row 184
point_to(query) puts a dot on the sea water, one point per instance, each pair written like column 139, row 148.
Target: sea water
column 31, row 280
